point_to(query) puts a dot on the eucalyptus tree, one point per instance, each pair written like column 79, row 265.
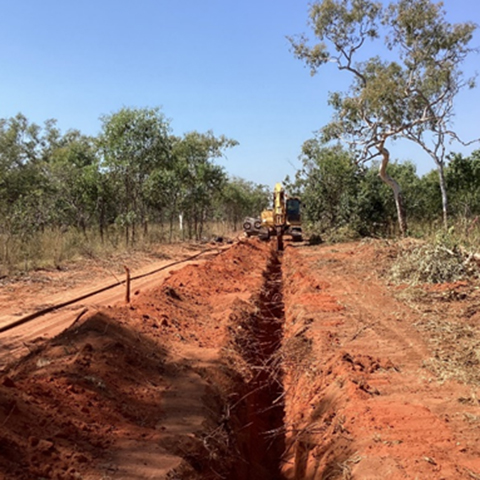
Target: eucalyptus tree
column 163, row 192
column 241, row 198
column 75, row 177
column 23, row 182
column 19, row 153
column 433, row 50
column 375, row 205
column 388, row 97
column 462, row 176
column 201, row 180
column 134, row 143
column 329, row 181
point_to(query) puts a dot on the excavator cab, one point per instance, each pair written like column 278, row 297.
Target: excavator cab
column 293, row 210
column 294, row 218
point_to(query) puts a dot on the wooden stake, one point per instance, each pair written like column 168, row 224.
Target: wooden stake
column 127, row 285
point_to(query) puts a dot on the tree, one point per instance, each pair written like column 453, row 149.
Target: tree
column 23, row 182
column 134, row 142
column 463, row 180
column 376, row 207
column 162, row 191
column 19, row 155
column 74, row 173
column 201, row 179
column 241, row 199
column 437, row 48
column 388, row 98
column 329, row 181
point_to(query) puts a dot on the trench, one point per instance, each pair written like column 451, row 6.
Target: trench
column 258, row 424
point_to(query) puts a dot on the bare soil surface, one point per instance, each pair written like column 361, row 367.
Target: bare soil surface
column 307, row 364
column 45, row 289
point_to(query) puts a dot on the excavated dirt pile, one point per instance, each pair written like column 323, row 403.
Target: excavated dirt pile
column 306, row 364
column 175, row 384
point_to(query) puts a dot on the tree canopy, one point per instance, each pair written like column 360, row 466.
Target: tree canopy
column 134, row 173
column 408, row 92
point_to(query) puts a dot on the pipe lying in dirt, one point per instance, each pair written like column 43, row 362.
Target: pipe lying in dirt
column 258, row 414
column 58, row 306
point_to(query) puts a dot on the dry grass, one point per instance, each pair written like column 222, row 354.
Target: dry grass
column 445, row 324
column 341, row 235
column 456, row 350
column 432, row 263
column 296, row 351
column 55, row 248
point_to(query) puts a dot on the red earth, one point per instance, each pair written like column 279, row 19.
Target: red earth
column 253, row 364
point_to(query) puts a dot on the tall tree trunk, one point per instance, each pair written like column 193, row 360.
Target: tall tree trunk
column 195, row 225
column 101, row 224
column 397, row 192
column 443, row 190
column 200, row 226
column 180, row 222
column 83, row 228
column 189, row 227
column 170, row 234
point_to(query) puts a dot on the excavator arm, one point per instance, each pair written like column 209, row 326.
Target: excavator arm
column 283, row 218
column 280, row 214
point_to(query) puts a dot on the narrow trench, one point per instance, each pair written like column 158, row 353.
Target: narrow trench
column 259, row 416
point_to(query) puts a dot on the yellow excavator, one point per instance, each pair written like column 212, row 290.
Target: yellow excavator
column 283, row 219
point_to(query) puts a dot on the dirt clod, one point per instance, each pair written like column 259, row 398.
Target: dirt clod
column 8, row 382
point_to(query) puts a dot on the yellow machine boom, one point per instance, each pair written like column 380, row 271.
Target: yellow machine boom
column 283, row 218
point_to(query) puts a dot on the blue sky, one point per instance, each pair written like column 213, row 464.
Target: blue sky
column 218, row 65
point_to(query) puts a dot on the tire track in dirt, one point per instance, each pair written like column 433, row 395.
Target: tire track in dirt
column 359, row 402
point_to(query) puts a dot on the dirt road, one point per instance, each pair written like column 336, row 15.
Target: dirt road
column 93, row 289
column 256, row 365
